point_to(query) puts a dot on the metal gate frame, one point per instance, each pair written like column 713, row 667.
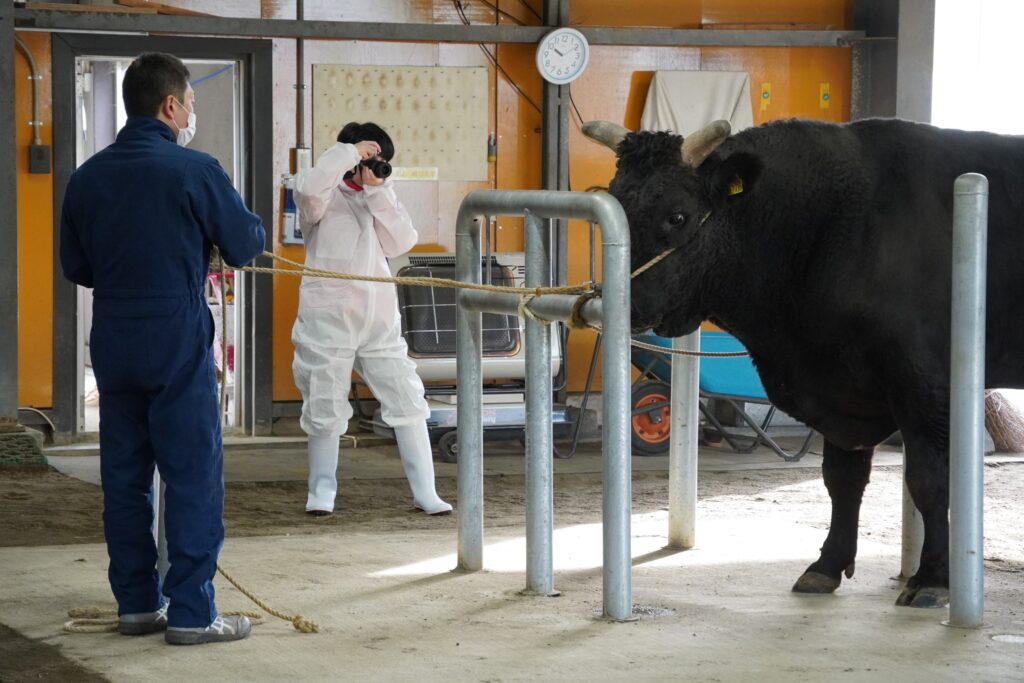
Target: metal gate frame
column 612, row 310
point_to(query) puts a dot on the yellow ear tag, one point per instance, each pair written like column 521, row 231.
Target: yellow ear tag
column 736, row 186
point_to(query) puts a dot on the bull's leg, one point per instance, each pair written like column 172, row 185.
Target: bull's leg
column 927, row 478
column 846, row 474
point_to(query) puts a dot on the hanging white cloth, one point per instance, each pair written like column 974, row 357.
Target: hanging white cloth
column 686, row 101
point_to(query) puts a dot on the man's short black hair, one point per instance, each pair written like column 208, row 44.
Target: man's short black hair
column 150, row 78
column 357, row 132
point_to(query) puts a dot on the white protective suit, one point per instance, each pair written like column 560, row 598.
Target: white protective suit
column 343, row 324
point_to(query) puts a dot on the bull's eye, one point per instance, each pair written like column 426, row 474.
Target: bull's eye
column 676, row 219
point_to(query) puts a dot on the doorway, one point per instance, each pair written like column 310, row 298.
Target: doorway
column 99, row 115
column 88, row 113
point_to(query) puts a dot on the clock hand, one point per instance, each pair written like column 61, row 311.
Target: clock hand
column 560, row 53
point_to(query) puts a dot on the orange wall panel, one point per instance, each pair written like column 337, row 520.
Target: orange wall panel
column 35, row 232
column 661, row 13
column 519, row 135
column 831, row 14
column 688, row 14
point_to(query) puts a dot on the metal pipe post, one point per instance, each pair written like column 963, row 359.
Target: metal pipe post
column 548, row 307
column 539, row 438
column 603, row 209
column 8, row 224
column 967, row 401
column 682, row 454
column 615, row 375
column 469, row 347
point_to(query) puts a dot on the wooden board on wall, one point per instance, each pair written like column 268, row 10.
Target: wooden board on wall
column 437, row 116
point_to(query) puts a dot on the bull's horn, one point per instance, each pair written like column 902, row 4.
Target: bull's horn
column 605, row 132
column 698, row 146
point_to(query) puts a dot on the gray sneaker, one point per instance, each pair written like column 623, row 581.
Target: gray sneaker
column 141, row 623
column 221, row 630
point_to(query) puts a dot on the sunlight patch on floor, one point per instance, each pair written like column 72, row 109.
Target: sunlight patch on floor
column 579, row 547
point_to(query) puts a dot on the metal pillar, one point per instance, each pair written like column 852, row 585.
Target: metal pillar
column 8, row 225
column 539, row 429
column 468, row 371
column 913, row 101
column 682, row 454
column 614, row 310
column 555, row 139
column 967, row 402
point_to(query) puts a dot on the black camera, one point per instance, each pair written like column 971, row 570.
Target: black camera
column 378, row 167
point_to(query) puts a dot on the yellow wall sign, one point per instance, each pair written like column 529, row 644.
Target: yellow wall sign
column 414, row 172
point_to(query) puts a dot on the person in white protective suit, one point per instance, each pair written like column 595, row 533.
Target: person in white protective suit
column 351, row 221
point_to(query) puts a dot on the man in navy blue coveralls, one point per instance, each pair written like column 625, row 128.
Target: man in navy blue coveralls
column 138, row 224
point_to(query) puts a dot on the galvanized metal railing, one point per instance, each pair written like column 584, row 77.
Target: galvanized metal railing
column 967, row 402
column 612, row 311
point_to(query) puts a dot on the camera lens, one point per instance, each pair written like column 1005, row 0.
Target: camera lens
column 378, row 167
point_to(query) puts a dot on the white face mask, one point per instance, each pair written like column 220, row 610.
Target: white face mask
column 186, row 134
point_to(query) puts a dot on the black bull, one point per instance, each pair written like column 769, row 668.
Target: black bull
column 826, row 249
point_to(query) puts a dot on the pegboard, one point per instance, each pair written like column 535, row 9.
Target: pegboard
column 436, row 116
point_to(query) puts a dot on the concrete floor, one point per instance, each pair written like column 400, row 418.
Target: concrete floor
column 391, row 607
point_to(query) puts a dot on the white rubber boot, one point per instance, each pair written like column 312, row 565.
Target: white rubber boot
column 323, row 482
column 418, row 462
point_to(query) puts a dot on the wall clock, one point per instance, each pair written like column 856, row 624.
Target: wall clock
column 562, row 55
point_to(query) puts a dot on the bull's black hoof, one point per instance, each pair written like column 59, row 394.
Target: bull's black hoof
column 815, row 582
column 923, row 598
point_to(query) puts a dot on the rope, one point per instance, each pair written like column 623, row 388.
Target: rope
column 104, row 619
column 101, row 620
column 91, row 620
column 680, row 352
column 526, row 313
column 415, row 281
column 300, row 622
column 663, row 255
column 650, row 264
column 576, row 320
column 587, row 291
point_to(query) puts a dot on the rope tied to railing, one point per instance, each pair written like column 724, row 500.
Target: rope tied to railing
column 304, row 270
column 587, row 290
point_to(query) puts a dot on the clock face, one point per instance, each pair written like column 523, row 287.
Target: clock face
column 562, row 55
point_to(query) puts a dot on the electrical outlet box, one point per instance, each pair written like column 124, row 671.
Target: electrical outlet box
column 38, row 158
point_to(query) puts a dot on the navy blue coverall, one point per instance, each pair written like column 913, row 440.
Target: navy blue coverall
column 138, row 222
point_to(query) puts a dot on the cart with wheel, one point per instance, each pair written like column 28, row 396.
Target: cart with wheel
column 733, row 380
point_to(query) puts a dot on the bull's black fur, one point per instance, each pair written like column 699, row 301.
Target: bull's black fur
column 833, row 267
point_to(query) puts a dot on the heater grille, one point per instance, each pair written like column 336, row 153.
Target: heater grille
column 428, row 313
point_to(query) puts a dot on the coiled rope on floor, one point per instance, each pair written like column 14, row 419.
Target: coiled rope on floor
column 103, row 619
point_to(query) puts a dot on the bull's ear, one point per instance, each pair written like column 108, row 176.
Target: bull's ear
column 733, row 177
